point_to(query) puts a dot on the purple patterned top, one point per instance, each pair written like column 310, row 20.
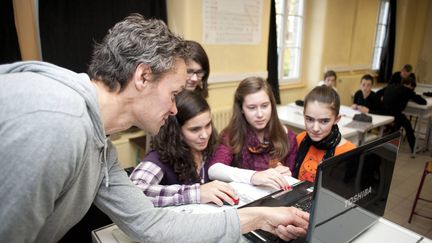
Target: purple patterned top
column 254, row 161
column 159, row 183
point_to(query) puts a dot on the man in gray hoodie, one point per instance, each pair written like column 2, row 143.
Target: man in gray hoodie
column 57, row 158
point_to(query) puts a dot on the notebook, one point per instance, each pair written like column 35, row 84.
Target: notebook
column 349, row 194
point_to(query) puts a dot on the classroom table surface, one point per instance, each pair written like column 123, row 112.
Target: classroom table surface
column 382, row 231
column 357, row 132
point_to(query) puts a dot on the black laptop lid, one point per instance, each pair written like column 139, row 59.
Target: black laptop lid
column 351, row 191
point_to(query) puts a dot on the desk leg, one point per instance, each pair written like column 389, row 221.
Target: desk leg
column 362, row 138
column 381, row 131
column 417, row 134
column 414, row 152
column 427, row 135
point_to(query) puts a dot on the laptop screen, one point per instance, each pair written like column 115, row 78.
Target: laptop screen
column 351, row 191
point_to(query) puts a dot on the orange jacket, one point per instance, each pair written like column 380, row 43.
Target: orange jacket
column 314, row 157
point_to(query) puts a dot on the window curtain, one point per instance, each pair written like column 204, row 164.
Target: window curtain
column 387, row 54
column 9, row 45
column 272, row 56
column 70, row 28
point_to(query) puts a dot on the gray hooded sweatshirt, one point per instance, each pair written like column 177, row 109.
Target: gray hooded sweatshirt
column 56, row 160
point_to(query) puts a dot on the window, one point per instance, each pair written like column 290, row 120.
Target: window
column 381, row 30
column 289, row 22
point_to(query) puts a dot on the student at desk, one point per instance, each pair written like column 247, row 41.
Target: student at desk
column 198, row 68
column 329, row 80
column 398, row 77
column 322, row 138
column 395, row 99
column 366, row 100
column 175, row 171
column 405, row 73
column 255, row 147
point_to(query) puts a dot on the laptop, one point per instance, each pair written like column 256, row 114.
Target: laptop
column 348, row 197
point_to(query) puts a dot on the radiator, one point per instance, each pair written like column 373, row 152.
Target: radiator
column 221, row 117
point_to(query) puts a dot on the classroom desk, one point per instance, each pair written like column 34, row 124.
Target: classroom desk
column 378, row 121
column 292, row 116
column 387, row 231
column 247, row 193
column 382, row 231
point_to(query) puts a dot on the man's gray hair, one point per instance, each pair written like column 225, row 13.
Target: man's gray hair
column 133, row 41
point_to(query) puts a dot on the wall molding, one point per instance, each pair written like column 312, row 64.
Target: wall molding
column 231, row 77
column 348, row 68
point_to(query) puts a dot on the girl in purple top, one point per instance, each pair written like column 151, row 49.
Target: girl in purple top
column 175, row 171
column 255, row 147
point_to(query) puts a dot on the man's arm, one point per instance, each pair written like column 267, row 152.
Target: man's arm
column 135, row 214
column 286, row 222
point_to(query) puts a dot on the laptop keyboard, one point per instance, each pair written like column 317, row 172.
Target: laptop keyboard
column 305, row 204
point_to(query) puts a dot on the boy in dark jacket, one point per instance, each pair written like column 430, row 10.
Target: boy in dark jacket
column 404, row 73
column 395, row 99
column 366, row 100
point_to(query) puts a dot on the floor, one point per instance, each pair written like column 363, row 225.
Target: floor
column 406, row 179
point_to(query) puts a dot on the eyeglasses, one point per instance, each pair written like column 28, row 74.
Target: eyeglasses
column 199, row 73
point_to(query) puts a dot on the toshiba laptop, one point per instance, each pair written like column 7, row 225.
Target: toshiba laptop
column 349, row 194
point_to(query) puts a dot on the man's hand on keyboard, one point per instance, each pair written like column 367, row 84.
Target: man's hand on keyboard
column 287, row 223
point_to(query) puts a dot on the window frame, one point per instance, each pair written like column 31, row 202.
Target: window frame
column 282, row 41
column 380, row 35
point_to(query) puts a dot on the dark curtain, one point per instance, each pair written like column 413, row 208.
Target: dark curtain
column 387, row 54
column 9, row 46
column 69, row 28
column 272, row 58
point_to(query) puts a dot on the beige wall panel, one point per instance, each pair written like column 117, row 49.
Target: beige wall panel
column 423, row 66
column 28, row 35
column 239, row 61
column 364, row 32
column 340, row 18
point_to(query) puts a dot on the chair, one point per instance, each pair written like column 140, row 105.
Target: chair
column 427, row 170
